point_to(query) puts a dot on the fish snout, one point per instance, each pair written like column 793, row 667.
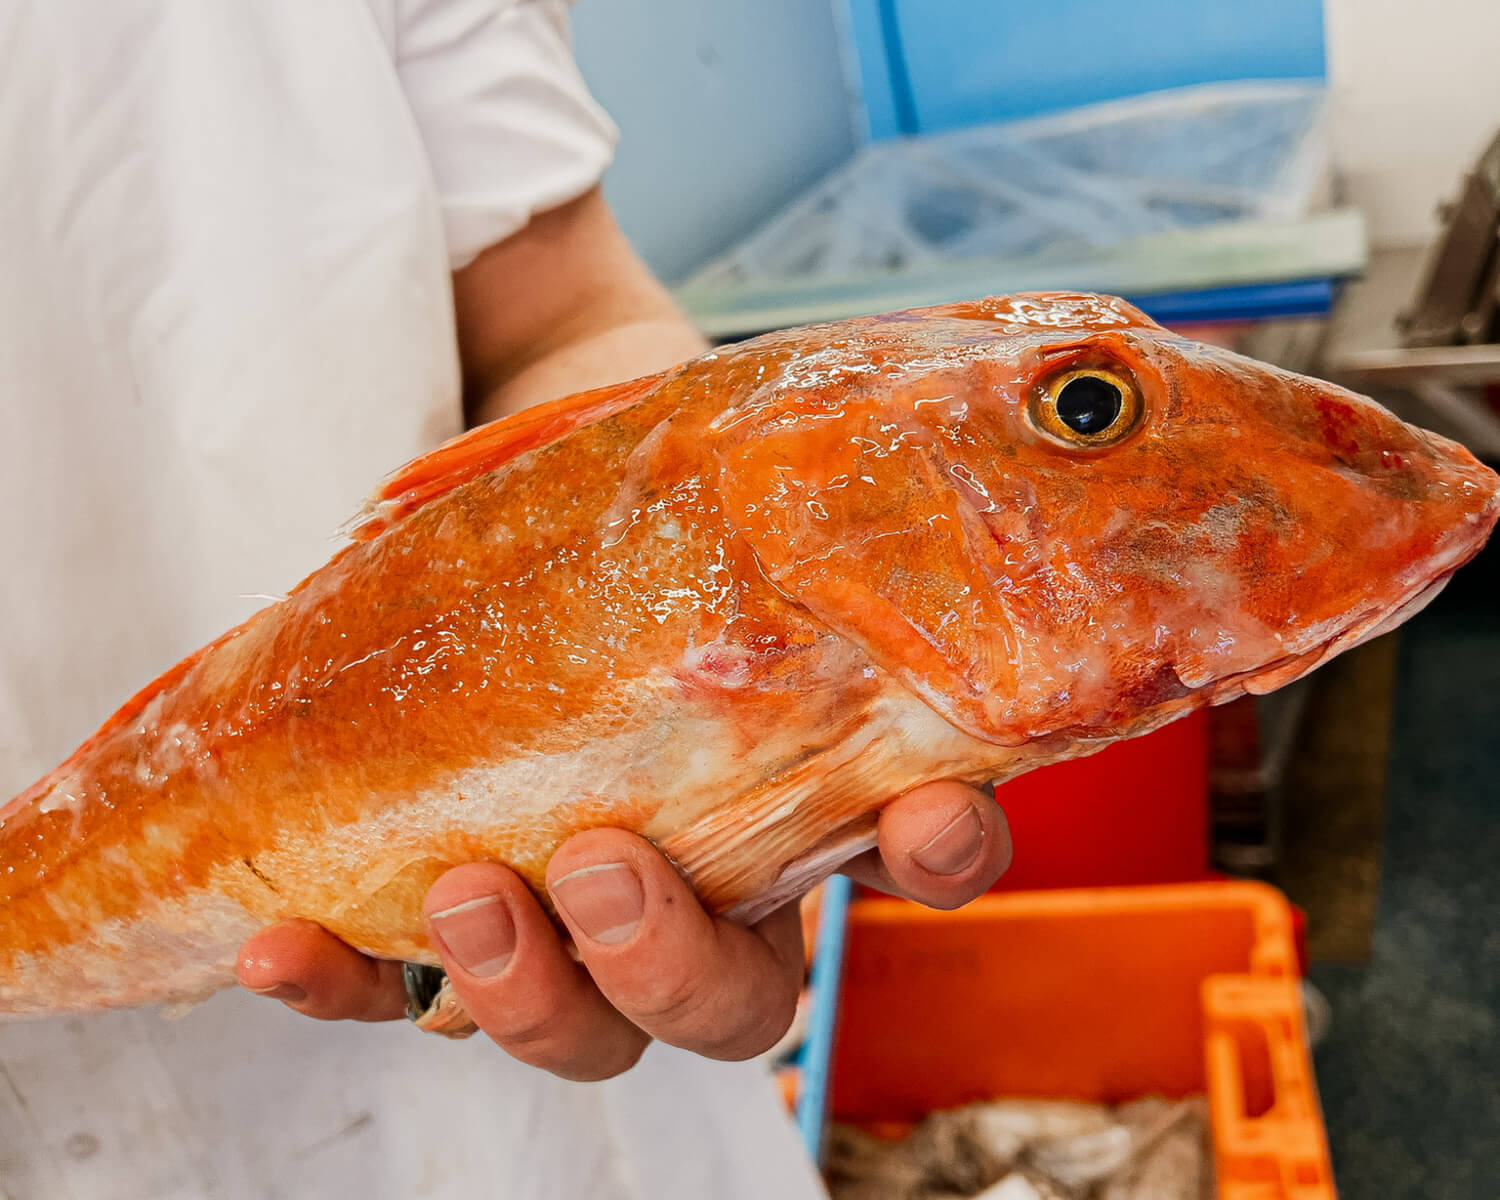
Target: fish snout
column 1345, row 520
column 1406, row 508
column 1461, row 493
column 1451, row 497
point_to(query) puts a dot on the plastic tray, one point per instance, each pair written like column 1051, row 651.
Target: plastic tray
column 1094, row 994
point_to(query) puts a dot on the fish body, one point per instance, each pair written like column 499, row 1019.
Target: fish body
column 735, row 607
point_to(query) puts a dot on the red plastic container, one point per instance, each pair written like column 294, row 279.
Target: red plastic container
column 1134, row 813
column 1094, row 994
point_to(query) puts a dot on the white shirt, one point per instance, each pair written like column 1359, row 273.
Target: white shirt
column 226, row 235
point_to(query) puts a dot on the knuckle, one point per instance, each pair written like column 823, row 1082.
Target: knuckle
column 588, row 1070
column 580, row 1055
column 763, row 1034
column 599, row 1067
column 520, row 1021
column 676, row 998
column 726, row 1023
column 382, row 1006
column 521, row 1035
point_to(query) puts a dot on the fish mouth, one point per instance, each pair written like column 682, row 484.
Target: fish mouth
column 1261, row 680
column 1372, row 622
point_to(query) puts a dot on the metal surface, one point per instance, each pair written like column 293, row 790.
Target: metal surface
column 1453, row 365
column 1450, row 389
column 422, row 983
column 1456, row 303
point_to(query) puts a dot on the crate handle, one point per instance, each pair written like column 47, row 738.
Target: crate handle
column 1267, row 1130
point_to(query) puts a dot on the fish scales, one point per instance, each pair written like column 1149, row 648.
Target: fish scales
column 735, row 607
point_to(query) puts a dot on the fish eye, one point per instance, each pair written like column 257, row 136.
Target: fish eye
column 1087, row 408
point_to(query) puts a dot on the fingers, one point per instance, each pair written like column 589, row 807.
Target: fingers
column 312, row 971
column 653, row 962
column 703, row 983
column 515, row 978
column 942, row 845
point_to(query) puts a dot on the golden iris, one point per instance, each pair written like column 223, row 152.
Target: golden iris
column 1089, row 407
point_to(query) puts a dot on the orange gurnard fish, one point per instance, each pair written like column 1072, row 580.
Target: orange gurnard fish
column 735, row 607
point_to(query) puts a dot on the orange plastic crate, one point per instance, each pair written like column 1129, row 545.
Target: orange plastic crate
column 1100, row 994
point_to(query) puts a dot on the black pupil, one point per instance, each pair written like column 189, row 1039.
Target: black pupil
column 1088, row 404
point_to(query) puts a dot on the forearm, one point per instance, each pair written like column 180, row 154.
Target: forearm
column 595, row 359
column 562, row 306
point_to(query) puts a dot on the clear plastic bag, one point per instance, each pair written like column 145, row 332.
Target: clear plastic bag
column 1067, row 182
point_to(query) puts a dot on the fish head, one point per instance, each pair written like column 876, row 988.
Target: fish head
column 1177, row 520
column 1087, row 525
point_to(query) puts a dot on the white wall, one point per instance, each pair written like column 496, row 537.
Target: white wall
column 727, row 110
column 1416, row 97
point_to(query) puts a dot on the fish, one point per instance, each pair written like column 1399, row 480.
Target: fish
column 735, row 607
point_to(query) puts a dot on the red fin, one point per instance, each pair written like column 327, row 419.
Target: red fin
column 481, row 450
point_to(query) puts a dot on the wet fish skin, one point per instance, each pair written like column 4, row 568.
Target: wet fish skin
column 734, row 607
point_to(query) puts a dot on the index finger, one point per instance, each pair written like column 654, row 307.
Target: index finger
column 311, row 971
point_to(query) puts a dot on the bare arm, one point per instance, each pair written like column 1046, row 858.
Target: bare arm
column 562, row 306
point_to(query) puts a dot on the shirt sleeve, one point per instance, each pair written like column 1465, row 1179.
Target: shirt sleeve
column 508, row 123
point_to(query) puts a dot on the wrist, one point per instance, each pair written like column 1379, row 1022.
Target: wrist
column 612, row 354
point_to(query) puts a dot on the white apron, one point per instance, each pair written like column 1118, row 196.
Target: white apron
column 226, row 232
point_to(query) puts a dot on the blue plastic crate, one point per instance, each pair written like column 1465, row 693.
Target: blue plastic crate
column 920, row 66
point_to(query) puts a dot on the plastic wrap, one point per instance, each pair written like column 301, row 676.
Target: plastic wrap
column 1063, row 183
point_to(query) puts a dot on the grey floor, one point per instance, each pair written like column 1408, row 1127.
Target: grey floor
column 1410, row 1071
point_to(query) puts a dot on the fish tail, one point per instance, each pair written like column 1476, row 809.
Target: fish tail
column 60, row 949
column 58, row 954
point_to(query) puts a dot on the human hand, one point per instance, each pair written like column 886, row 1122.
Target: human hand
column 654, row 964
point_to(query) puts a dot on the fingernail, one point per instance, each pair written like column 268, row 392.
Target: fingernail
column 954, row 849
column 288, row 992
column 479, row 934
column 605, row 902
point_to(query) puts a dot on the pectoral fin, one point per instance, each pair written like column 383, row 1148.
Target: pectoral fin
column 774, row 841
